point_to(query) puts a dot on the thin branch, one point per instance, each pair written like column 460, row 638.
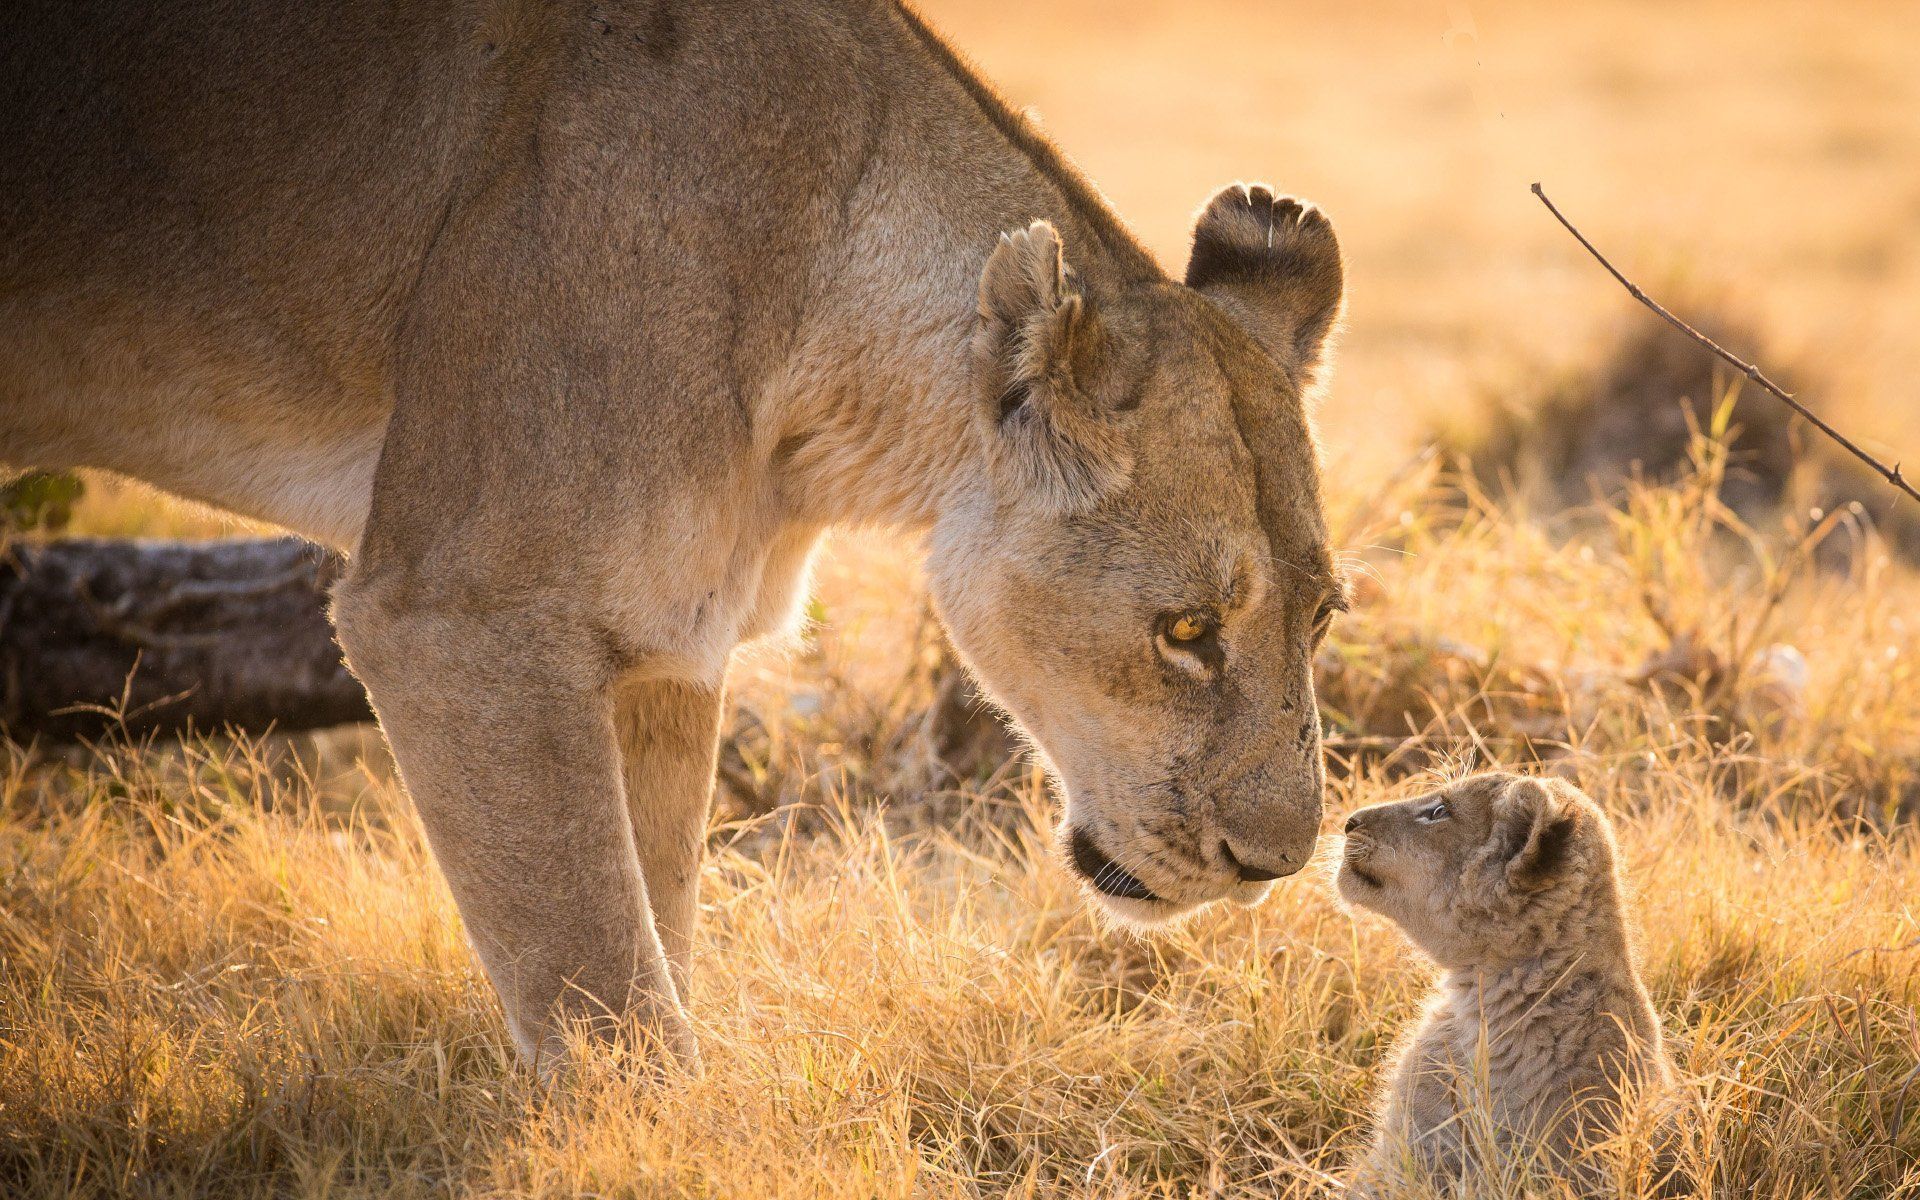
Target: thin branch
column 1891, row 474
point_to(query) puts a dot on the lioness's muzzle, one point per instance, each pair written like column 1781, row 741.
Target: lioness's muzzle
column 1106, row 875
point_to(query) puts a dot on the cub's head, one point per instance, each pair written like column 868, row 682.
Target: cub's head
column 1144, row 573
column 1488, row 870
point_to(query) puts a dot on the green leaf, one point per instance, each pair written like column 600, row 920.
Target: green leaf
column 40, row 500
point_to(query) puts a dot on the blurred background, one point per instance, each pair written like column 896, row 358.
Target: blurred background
column 1763, row 154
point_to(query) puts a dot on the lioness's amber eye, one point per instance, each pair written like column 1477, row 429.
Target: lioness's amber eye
column 1188, row 627
column 1323, row 619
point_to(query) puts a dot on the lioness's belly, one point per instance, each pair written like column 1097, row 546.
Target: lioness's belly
column 240, row 423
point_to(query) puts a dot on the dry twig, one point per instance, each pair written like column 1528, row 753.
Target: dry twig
column 1891, row 474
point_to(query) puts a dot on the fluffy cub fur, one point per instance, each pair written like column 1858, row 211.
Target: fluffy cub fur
column 1540, row 1020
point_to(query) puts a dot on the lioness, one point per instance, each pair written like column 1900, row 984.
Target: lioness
column 1540, row 1019
column 577, row 324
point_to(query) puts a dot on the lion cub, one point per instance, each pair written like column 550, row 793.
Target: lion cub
column 1540, row 1019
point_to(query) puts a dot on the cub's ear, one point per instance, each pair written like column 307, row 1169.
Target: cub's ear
column 1534, row 831
column 1274, row 264
column 1037, row 345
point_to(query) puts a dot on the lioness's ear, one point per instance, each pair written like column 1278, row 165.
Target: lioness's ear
column 1037, row 345
column 1274, row 264
column 1535, row 831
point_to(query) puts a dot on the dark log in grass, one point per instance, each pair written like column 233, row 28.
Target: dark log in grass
column 159, row 637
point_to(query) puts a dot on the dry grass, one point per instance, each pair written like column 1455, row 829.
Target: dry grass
column 231, row 969
column 1632, row 414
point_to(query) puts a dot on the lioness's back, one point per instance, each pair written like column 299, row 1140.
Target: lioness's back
column 213, row 217
column 211, row 214
column 294, row 157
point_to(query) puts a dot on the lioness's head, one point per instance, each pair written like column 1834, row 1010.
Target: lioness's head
column 1145, row 576
column 1490, row 869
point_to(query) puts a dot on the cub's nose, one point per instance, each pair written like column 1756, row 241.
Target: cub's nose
column 1355, row 821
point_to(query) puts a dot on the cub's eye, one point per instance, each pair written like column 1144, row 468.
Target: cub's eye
column 1436, row 812
column 1188, row 627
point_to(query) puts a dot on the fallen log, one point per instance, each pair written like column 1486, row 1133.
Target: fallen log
column 161, row 637
column 150, row 637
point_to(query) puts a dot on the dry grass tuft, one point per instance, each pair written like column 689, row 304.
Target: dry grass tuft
column 1635, row 415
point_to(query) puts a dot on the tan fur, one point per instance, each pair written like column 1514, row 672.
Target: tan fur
column 1540, row 1019
column 577, row 324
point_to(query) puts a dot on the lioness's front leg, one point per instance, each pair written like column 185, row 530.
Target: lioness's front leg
column 503, row 727
column 668, row 734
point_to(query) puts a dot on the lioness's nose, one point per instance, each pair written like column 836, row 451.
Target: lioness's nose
column 1253, row 872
